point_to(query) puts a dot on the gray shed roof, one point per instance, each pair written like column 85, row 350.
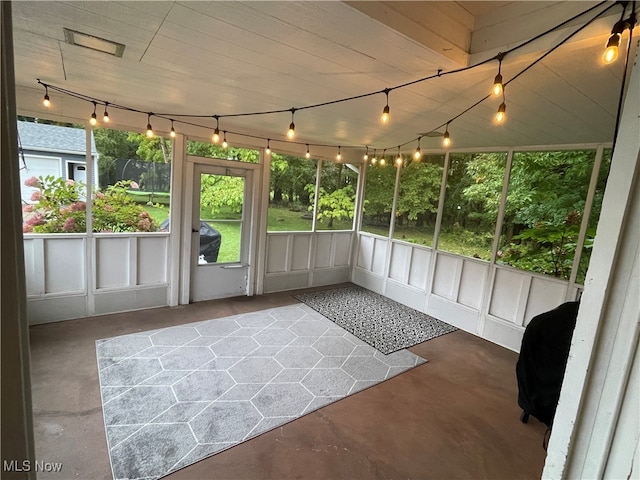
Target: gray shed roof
column 40, row 136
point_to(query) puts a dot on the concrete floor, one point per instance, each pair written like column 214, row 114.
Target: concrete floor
column 453, row 417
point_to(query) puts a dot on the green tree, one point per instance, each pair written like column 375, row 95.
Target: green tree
column 218, row 192
column 289, row 177
column 378, row 194
column 419, row 192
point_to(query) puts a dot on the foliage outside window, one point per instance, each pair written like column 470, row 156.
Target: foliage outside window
column 472, row 199
column 545, row 204
column 378, row 198
column 211, row 150
column 337, row 198
column 134, row 177
column 292, row 183
column 418, row 198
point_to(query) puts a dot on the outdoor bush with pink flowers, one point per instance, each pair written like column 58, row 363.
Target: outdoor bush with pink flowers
column 59, row 208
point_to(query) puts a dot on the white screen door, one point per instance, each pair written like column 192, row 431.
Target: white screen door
column 220, row 232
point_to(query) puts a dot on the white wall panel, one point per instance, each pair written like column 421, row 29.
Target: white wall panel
column 447, row 276
column 342, row 247
column 330, row 276
column 276, row 253
column 112, row 262
column 64, row 265
column 408, row 296
column 56, row 308
column 133, row 299
column 379, row 256
column 152, row 260
column 365, row 252
column 544, row 295
column 472, row 283
column 508, row 297
column 290, row 281
column 34, row 265
column 301, row 252
column 399, row 262
column 420, row 260
column 504, row 334
column 323, row 250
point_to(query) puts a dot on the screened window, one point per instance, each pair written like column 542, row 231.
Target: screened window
column 378, row 198
column 418, row 198
column 545, row 204
column 134, row 180
column 53, row 176
column 292, row 184
column 337, row 197
column 472, row 199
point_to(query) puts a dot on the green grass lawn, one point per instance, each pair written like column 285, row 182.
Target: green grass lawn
column 282, row 219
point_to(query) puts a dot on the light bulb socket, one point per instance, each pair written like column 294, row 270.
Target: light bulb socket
column 46, row 101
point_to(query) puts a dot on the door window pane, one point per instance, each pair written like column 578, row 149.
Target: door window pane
column 418, row 198
column 293, row 181
column 545, row 204
column 472, row 199
column 221, row 203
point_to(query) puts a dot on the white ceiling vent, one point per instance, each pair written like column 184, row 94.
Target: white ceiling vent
column 94, row 43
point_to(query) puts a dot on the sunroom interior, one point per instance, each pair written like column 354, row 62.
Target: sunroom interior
column 442, row 232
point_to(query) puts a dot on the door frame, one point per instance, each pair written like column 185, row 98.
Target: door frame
column 251, row 220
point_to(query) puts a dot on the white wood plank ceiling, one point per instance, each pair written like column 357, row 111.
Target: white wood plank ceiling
column 222, row 57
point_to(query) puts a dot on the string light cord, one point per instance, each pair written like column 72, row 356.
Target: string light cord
column 173, row 116
column 632, row 24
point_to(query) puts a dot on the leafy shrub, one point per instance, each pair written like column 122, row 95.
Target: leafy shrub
column 60, row 208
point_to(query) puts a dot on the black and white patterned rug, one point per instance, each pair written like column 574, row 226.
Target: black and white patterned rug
column 383, row 323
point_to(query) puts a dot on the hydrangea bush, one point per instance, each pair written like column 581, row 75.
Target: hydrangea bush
column 59, row 207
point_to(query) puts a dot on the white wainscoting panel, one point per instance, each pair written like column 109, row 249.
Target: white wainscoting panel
column 545, row 294
column 64, row 265
column 509, row 295
column 112, row 262
column 379, row 255
column 341, row 244
column 405, row 295
column 55, row 308
column 34, row 265
column 133, row 299
column 446, row 281
column 152, row 260
column 473, row 283
column 365, row 252
column 324, row 245
column 277, row 253
column 419, row 268
column 399, row 263
column 301, row 252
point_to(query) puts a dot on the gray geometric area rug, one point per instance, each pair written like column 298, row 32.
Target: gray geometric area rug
column 385, row 324
column 173, row 396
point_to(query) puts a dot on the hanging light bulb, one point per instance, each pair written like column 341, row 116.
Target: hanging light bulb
column 268, row 149
column 446, row 138
column 374, row 159
column 418, row 153
column 291, row 133
column 384, row 118
column 224, row 139
column 497, row 81
column 399, row 157
column 339, row 155
column 383, row 162
column 611, row 50
column 172, row 133
column 501, row 115
column 46, row 101
column 149, row 129
column 94, row 118
column 366, row 155
column 308, row 154
column 105, row 115
column 215, row 138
